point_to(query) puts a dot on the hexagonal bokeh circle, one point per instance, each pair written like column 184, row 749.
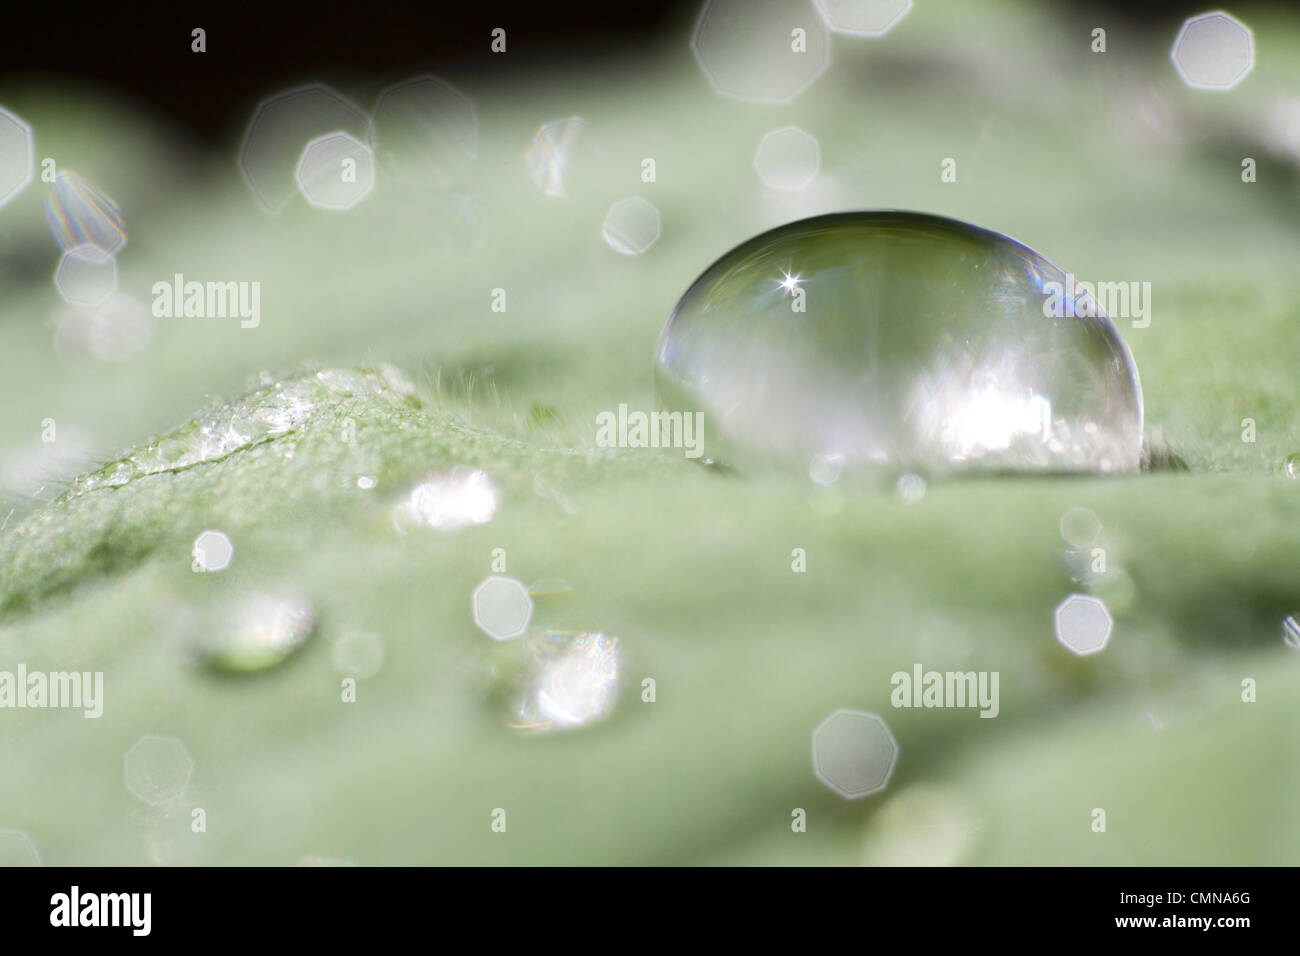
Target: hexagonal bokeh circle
column 213, row 551
column 502, row 607
column 426, row 131
column 157, row 769
column 866, row 18
column 1213, row 51
column 787, row 159
column 87, row 276
column 336, row 172
column 631, row 226
column 281, row 128
column 854, row 753
column 16, row 158
column 1083, row 624
column 761, row 51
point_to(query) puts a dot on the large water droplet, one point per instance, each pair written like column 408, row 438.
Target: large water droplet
column 904, row 340
column 257, row 632
column 570, row 681
column 448, row 502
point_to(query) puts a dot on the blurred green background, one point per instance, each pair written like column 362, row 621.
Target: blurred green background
column 1105, row 163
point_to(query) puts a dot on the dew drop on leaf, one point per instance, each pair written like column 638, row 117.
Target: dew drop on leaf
column 901, row 340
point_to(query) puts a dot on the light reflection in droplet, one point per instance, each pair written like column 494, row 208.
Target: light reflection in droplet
column 447, row 502
column 571, row 681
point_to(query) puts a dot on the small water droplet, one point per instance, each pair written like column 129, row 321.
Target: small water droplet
column 1292, row 465
column 894, row 348
column 447, row 502
column 365, row 482
column 255, row 633
column 571, row 680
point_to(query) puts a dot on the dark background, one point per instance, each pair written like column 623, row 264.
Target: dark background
column 142, row 49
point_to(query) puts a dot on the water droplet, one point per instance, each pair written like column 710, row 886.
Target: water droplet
column 1291, row 632
column 458, row 499
column 570, row 681
column 255, row 633
column 901, row 339
column 157, row 769
column 80, row 214
column 358, row 654
column 1292, row 465
column 365, row 482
